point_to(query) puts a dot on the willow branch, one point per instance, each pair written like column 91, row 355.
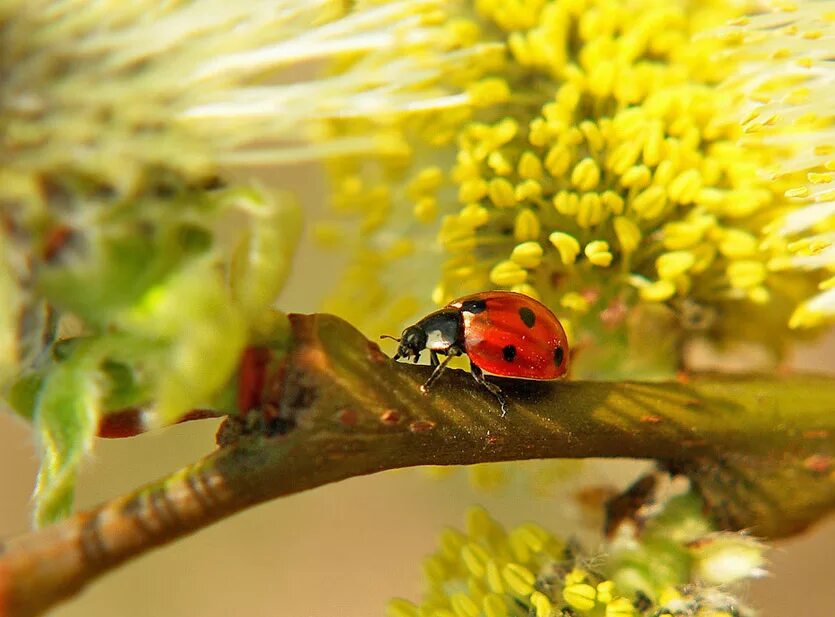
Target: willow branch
column 760, row 449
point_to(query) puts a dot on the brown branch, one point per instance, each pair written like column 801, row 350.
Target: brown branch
column 759, row 448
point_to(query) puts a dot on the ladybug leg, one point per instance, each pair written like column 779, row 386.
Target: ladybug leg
column 439, row 367
column 478, row 374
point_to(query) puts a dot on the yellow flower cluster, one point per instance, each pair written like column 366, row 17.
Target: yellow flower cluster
column 789, row 77
column 486, row 571
column 614, row 174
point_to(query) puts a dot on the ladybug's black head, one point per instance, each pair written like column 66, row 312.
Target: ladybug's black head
column 412, row 342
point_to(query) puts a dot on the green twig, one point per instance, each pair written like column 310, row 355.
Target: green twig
column 758, row 448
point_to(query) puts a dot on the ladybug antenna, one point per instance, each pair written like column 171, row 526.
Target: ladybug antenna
column 397, row 356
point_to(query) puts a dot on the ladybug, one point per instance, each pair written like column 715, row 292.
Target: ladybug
column 502, row 332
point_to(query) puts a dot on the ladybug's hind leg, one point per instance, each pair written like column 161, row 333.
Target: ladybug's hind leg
column 495, row 390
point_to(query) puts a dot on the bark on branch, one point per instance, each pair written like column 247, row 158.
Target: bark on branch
column 760, row 449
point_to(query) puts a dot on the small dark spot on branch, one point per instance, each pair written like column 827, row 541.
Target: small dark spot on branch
column 278, row 426
column 199, row 490
column 92, row 546
column 133, row 506
column 818, row 463
column 421, row 426
column 303, row 397
column 390, row 416
column 375, row 354
column 160, row 504
column 348, row 417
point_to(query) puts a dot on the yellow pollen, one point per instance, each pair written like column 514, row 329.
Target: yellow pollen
column 494, row 606
column 671, row 265
column 472, row 190
column 526, row 226
column 501, row 193
column 580, row 596
column 519, row 579
column 530, row 167
column 473, row 215
column 527, row 190
column 507, row 273
column 488, row 92
column 575, row 302
column 528, row 254
column 590, row 211
column 628, row 234
column 650, row 203
column 585, row 175
column 745, row 274
column 800, row 191
column 598, row 253
column 426, row 209
column 541, row 603
column 499, row 163
column 567, row 203
column 620, row 607
column 737, row 244
column 636, row 177
column 604, row 591
column 658, row 291
column 566, row 245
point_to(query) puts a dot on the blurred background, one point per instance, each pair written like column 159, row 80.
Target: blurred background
column 343, row 550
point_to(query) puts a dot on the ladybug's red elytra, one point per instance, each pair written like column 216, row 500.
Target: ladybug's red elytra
column 502, row 332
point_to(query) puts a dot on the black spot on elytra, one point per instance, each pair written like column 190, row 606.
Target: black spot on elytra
column 474, row 306
column 509, row 353
column 527, row 316
column 559, row 356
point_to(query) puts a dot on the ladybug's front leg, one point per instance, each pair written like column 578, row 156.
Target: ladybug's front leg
column 495, row 390
column 439, row 367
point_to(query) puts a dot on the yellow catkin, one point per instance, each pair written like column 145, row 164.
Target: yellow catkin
column 628, row 234
column 518, row 578
column 625, row 161
column 566, row 245
column 580, row 596
column 528, row 254
column 598, row 253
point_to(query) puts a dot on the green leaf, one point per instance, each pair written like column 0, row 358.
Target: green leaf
column 23, row 394
column 120, row 262
column 262, row 258
column 66, row 417
column 191, row 317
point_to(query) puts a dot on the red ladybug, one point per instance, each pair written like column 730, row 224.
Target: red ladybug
column 503, row 333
